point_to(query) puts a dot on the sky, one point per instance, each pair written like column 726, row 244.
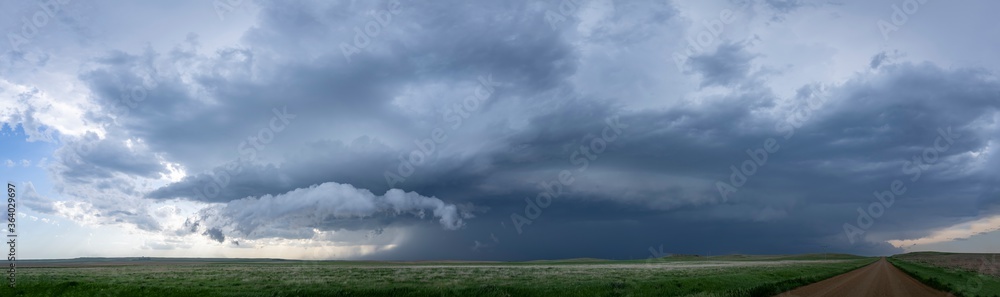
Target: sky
column 500, row 130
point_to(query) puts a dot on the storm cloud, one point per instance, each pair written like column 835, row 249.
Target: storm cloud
column 522, row 130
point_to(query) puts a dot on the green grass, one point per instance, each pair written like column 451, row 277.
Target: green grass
column 962, row 283
column 307, row 278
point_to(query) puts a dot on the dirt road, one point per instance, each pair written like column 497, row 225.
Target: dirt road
column 878, row 279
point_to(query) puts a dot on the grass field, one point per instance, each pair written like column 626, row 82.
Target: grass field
column 673, row 276
column 951, row 276
column 981, row 263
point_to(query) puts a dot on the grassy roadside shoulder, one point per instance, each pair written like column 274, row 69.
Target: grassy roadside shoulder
column 805, row 278
column 962, row 283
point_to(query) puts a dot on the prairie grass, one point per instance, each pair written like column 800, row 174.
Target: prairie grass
column 586, row 278
column 958, row 281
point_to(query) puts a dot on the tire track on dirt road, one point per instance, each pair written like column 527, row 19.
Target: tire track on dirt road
column 877, row 279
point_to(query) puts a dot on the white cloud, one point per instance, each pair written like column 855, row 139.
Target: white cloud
column 330, row 205
column 44, row 109
column 956, row 232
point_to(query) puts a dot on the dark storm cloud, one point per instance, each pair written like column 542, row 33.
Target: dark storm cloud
column 729, row 64
column 224, row 187
column 189, row 101
column 662, row 172
column 360, row 163
column 215, row 234
column 655, row 185
column 878, row 59
column 100, row 158
column 798, row 197
column 218, row 100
